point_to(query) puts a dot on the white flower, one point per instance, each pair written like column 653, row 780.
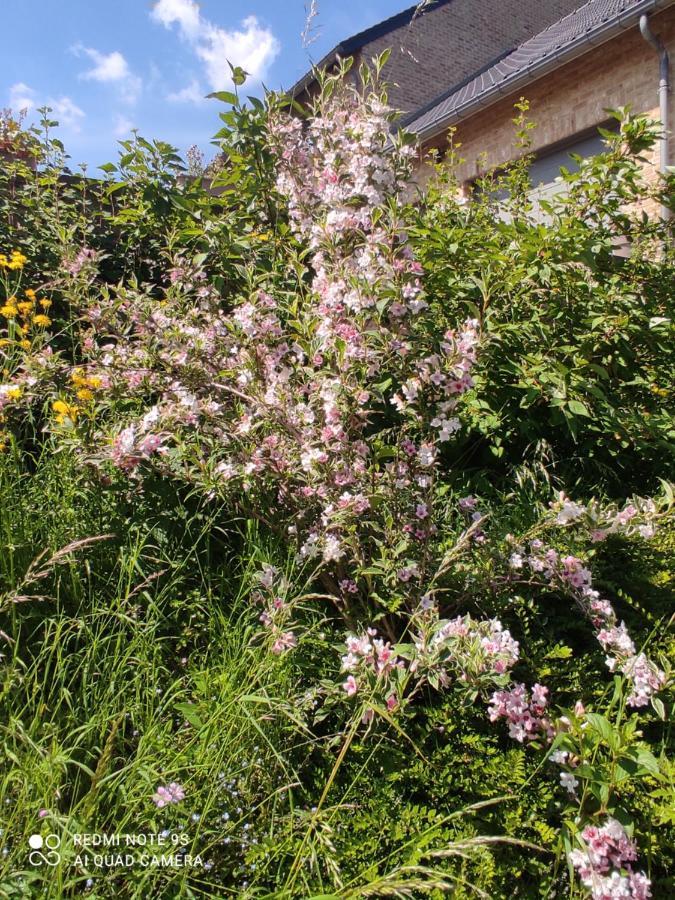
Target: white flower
column 569, row 782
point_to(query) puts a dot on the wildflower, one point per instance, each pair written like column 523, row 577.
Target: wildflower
column 467, row 503
column 74, row 266
column 17, row 260
column 42, row 320
column 407, row 573
column 525, row 716
column 605, row 863
column 65, row 411
column 567, row 510
column 9, row 310
column 286, row 641
column 350, row 686
column 9, row 392
column 569, row 782
column 647, row 679
column 168, row 794
column 349, row 586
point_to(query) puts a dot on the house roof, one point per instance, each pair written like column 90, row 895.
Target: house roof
column 351, row 44
column 577, row 33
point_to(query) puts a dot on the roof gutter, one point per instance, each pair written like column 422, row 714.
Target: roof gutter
column 664, row 89
column 579, row 46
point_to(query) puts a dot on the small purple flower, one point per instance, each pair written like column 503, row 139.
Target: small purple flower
column 167, row 794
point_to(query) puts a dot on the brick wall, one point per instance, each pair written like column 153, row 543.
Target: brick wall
column 622, row 72
column 445, row 45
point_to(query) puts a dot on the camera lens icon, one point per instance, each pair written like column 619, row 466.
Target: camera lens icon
column 50, row 843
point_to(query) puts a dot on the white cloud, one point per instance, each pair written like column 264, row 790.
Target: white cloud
column 111, row 68
column 107, row 67
column 122, row 126
column 192, row 93
column 68, row 113
column 251, row 46
column 21, row 97
column 183, row 12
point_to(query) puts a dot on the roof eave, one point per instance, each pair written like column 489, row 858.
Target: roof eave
column 584, row 43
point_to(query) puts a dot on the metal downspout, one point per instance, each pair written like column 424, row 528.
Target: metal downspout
column 664, row 89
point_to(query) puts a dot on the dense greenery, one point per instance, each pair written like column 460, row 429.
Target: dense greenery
column 161, row 625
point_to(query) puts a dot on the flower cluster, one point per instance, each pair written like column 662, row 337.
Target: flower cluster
column 605, row 863
column 470, row 651
column 636, row 518
column 524, row 711
column 15, row 261
column 373, row 668
column 168, row 794
column 571, row 575
column 277, row 610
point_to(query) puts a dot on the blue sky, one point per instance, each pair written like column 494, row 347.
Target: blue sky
column 106, row 66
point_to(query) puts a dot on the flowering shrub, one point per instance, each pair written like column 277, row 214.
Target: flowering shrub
column 302, row 380
column 607, row 850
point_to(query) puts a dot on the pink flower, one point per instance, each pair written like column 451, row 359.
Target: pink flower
column 286, row 641
column 168, row 794
column 350, row 686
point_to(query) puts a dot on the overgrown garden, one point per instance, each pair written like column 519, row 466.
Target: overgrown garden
column 336, row 531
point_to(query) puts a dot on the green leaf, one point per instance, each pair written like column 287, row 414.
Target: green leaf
column 191, row 714
column 648, row 761
column 603, row 727
column 659, row 708
column 578, row 408
column 223, row 96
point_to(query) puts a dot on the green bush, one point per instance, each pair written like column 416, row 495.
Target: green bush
column 577, row 369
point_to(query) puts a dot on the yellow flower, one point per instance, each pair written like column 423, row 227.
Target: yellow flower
column 9, row 311
column 25, row 307
column 30, row 293
column 25, row 344
column 4, row 262
column 42, row 320
column 13, row 392
column 45, row 304
column 65, row 411
column 85, row 383
column 17, row 261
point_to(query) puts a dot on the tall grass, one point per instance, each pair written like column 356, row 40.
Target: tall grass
column 133, row 661
column 135, row 669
